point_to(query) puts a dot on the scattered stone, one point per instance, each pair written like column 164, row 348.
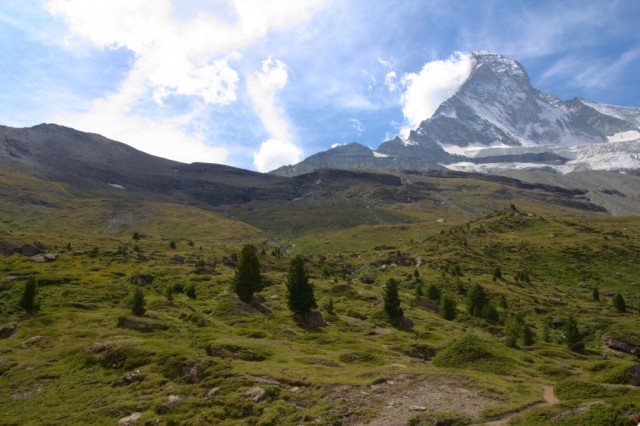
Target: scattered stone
column 419, row 261
column 312, row 319
column 134, row 376
column 83, row 306
column 8, row 330
column 38, row 258
column 173, row 399
column 408, row 278
column 229, row 262
column 265, row 381
column 178, row 260
column 556, row 323
column 417, row 408
column 31, row 341
column 256, row 393
column 213, row 391
column 294, row 389
column 142, row 279
column 634, row 375
column 558, row 302
column 139, row 325
column 8, row 248
column 257, row 299
column 50, row 257
column 429, row 305
column 340, row 288
column 402, row 322
column 262, row 308
column 10, row 278
column 25, row 394
column 274, row 297
column 129, row 420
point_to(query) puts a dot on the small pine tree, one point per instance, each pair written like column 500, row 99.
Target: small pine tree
column 497, row 274
column 433, row 292
column 596, row 294
column 330, row 307
column 448, row 308
column 301, row 299
column 392, row 300
column 28, row 300
column 546, row 333
column 168, row 293
column 528, row 335
column 136, row 236
column 247, row 278
column 490, row 313
column 172, row 245
column 138, row 302
column 419, row 290
column 190, row 291
column 619, row 303
column 477, row 300
column 572, row 335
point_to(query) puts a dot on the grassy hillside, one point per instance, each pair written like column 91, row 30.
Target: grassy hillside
column 83, row 357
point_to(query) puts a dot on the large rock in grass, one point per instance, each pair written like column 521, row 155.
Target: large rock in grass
column 256, row 393
column 311, row 319
column 8, row 248
column 8, row 330
column 621, row 343
column 29, row 250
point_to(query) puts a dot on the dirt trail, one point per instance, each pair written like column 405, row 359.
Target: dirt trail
column 549, row 399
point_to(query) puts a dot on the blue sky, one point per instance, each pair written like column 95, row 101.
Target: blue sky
column 262, row 83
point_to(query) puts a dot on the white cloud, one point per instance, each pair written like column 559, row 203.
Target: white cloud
column 189, row 55
column 391, row 81
column 274, row 153
column 357, row 124
column 434, row 84
column 262, row 86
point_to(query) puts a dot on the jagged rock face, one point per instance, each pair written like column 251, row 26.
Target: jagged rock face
column 498, row 105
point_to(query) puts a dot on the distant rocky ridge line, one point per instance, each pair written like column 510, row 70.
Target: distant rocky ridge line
column 497, row 121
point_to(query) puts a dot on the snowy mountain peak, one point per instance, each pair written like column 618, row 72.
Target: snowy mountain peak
column 498, row 63
column 496, row 116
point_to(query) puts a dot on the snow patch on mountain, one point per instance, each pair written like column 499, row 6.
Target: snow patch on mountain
column 624, row 136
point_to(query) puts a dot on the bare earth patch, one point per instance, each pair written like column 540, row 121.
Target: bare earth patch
column 401, row 397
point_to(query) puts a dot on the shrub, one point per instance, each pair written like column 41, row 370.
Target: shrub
column 247, row 277
column 392, row 300
column 596, row 294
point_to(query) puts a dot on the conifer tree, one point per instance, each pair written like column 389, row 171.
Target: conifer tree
column 299, row 292
column 572, row 335
column 596, row 294
column 619, row 303
column 448, row 308
column 247, row 279
column 477, row 301
column 28, row 300
column 138, row 302
column 392, row 300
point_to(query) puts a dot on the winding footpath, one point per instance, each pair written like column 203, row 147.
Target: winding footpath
column 549, row 399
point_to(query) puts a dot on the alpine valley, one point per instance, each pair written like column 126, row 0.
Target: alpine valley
column 483, row 271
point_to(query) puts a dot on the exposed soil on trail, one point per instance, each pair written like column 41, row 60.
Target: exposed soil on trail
column 401, row 397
